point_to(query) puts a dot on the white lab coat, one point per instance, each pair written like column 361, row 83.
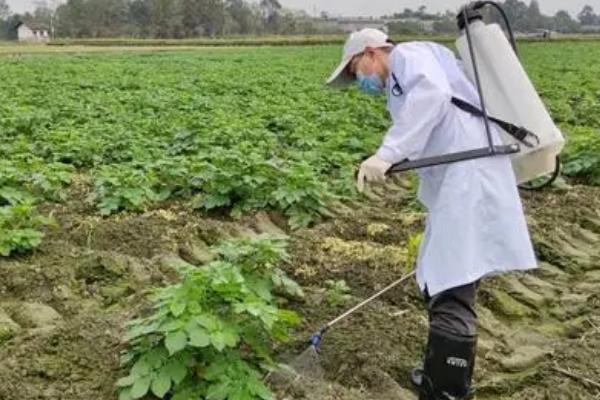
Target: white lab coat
column 476, row 226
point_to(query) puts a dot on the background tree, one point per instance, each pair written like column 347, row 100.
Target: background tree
column 421, row 11
column 529, row 18
column 7, row 22
column 271, row 13
column 193, row 18
column 407, row 13
column 405, row 28
column 446, row 24
column 213, row 17
column 139, row 15
column 166, row 21
column 242, row 15
column 107, row 17
column 4, row 10
column 587, row 16
column 562, row 22
column 535, row 19
column 517, row 12
column 73, row 17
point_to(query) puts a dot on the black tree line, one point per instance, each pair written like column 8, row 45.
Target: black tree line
column 193, row 18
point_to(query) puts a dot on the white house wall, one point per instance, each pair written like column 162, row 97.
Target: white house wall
column 26, row 34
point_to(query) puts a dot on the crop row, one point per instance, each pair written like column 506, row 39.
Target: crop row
column 232, row 130
column 309, row 40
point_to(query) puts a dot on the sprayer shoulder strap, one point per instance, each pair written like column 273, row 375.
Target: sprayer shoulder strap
column 520, row 133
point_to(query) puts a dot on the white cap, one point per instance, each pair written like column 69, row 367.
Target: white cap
column 355, row 45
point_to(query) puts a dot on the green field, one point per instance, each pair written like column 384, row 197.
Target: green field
column 92, row 142
column 236, row 130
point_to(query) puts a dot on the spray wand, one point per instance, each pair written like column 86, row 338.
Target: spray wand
column 317, row 338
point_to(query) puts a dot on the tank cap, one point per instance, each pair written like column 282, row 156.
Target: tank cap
column 472, row 15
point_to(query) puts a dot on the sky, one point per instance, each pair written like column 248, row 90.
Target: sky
column 379, row 7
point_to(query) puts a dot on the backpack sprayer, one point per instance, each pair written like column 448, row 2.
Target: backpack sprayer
column 529, row 135
column 531, row 138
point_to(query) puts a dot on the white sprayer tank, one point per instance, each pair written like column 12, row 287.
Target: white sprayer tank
column 509, row 95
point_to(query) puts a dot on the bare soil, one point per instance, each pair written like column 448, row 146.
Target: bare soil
column 63, row 307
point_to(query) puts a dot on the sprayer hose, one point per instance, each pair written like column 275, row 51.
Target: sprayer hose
column 513, row 41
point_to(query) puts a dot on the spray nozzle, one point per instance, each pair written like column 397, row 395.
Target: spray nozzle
column 317, row 338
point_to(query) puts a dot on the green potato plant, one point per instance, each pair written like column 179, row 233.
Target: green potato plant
column 210, row 335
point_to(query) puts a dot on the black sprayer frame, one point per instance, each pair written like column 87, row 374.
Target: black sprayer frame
column 468, row 14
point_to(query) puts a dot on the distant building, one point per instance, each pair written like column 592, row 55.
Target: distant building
column 537, row 34
column 546, row 33
column 590, row 28
column 427, row 25
column 351, row 24
column 32, row 32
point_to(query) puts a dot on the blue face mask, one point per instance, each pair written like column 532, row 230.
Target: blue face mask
column 370, row 84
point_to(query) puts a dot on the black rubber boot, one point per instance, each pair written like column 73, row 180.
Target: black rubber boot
column 448, row 369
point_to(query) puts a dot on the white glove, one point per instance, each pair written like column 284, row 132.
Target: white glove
column 372, row 170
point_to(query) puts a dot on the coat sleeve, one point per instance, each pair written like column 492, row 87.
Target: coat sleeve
column 423, row 105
